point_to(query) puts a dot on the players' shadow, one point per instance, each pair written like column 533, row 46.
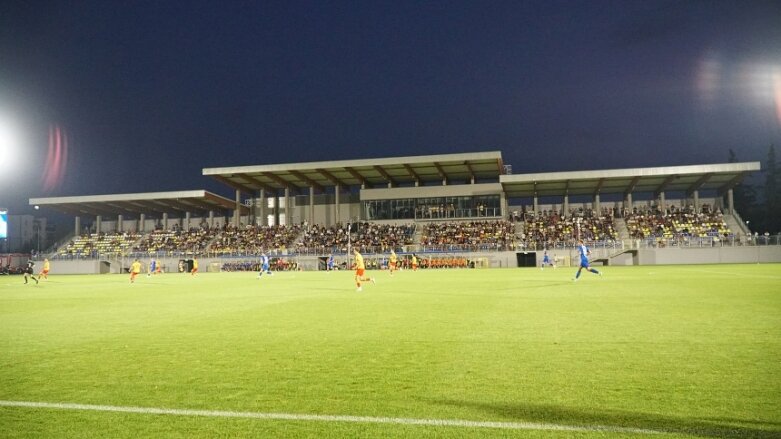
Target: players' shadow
column 551, row 414
column 540, row 284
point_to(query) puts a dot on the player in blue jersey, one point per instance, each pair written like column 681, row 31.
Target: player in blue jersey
column 330, row 264
column 547, row 260
column 152, row 268
column 584, row 263
column 264, row 267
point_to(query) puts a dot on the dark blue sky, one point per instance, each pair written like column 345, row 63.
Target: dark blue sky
column 152, row 92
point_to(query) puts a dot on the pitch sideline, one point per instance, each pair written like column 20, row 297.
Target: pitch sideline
column 328, row 418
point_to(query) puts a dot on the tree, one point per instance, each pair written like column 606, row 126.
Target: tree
column 745, row 198
column 772, row 197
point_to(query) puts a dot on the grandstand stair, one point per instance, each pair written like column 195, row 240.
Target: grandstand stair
column 299, row 239
column 208, row 246
column 623, row 231
column 736, row 224
column 518, row 230
column 606, row 260
column 135, row 243
column 61, row 248
column 418, row 237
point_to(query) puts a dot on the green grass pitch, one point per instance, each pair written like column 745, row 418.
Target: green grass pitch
column 688, row 351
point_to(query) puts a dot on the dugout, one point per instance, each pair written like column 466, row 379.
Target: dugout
column 526, row 259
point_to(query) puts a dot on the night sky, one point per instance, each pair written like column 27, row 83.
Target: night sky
column 150, row 93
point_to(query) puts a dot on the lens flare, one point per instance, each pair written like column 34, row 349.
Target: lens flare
column 56, row 158
column 777, row 89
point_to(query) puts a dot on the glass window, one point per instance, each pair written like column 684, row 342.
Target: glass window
column 442, row 208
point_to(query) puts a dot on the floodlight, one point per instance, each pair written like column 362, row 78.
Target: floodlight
column 9, row 144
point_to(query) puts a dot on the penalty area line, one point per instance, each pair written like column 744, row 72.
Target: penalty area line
column 329, row 418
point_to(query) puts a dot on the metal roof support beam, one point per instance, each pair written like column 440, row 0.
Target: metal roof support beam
column 155, row 206
column 282, row 182
column 471, row 172
column 98, row 209
column 359, row 177
column 698, row 184
column 664, row 185
column 331, row 177
column 252, row 180
column 308, row 180
column 732, row 183
column 76, row 211
column 386, row 176
column 631, row 186
column 234, row 185
column 441, row 172
column 179, row 206
column 220, row 202
column 123, row 208
column 158, row 207
column 600, row 182
column 200, row 205
column 413, row 174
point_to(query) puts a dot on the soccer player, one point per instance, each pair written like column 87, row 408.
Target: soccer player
column 546, row 260
column 264, row 266
column 414, row 262
column 392, row 262
column 28, row 272
column 135, row 268
column 195, row 266
column 584, row 254
column 359, row 271
column 44, row 274
column 329, row 266
column 152, row 267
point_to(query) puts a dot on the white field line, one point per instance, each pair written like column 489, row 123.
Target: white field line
column 728, row 273
column 328, row 418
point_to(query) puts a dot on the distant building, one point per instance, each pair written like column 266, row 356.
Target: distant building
column 25, row 234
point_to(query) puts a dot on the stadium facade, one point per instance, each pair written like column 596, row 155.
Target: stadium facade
column 420, row 190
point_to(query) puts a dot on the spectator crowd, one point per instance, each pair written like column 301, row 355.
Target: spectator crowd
column 481, row 235
column 548, row 227
column 368, row 236
column 676, row 222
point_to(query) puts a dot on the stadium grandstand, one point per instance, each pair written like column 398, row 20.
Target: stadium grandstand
column 446, row 208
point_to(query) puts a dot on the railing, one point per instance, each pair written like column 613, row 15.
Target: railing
column 659, row 242
column 470, row 214
column 628, row 244
column 461, row 248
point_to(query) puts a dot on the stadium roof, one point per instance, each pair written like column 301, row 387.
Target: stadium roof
column 719, row 177
column 175, row 202
column 368, row 172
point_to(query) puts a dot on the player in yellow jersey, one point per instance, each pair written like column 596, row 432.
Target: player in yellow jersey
column 135, row 268
column 392, row 262
column 359, row 270
column 414, row 262
column 44, row 274
column 195, row 266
